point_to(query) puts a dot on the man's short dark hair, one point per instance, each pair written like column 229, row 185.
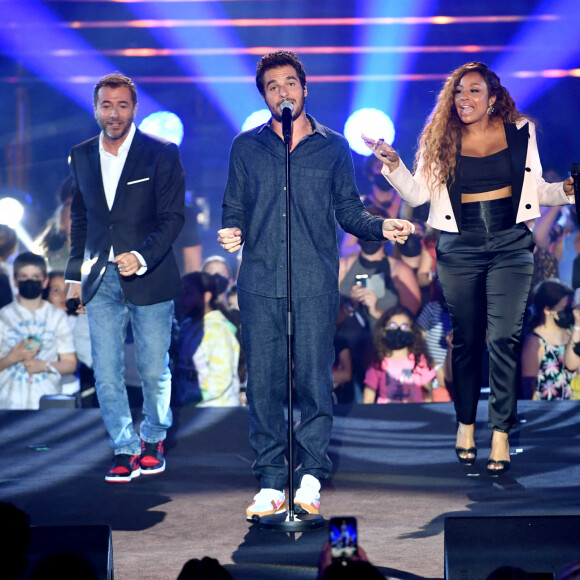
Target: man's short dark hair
column 115, row 80
column 30, row 259
column 276, row 60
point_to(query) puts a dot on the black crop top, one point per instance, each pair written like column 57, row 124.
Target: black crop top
column 481, row 174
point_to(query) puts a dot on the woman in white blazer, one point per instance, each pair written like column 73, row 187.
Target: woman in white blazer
column 478, row 166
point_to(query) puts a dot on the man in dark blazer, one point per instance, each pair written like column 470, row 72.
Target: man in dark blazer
column 127, row 210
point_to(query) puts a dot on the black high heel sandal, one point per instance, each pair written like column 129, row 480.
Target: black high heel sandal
column 466, row 460
column 505, row 466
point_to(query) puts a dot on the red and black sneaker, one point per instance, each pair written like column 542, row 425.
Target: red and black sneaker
column 124, row 468
column 152, row 460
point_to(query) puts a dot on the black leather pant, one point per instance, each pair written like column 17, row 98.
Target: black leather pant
column 486, row 280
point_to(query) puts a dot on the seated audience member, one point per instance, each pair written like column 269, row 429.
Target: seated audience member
column 208, row 350
column 401, row 371
column 219, row 265
column 388, row 281
column 355, row 568
column 435, row 321
column 544, row 374
column 15, row 534
column 204, row 569
column 36, row 344
column 56, row 293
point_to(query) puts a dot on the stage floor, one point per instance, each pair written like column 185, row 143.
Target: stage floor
column 394, row 469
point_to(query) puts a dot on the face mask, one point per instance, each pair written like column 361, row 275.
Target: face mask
column 380, row 182
column 396, row 339
column 370, row 247
column 30, row 288
column 565, row 318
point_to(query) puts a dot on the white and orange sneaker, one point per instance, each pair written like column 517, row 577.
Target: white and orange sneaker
column 266, row 502
column 307, row 498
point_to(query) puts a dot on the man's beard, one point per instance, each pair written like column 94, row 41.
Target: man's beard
column 126, row 129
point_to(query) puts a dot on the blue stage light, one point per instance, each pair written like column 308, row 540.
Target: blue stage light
column 373, row 123
column 11, row 212
column 32, row 36
column 256, row 118
column 542, row 46
column 164, row 124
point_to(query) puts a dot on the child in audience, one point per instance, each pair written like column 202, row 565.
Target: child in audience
column 544, row 374
column 36, row 344
column 402, row 371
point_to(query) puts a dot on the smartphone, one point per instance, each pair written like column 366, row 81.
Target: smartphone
column 342, row 534
column 361, row 280
column 33, row 342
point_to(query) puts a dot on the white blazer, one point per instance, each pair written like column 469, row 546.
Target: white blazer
column 529, row 190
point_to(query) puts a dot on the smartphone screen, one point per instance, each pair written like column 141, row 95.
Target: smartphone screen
column 343, row 537
column 361, row 280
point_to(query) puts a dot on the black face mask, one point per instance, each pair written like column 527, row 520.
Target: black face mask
column 565, row 318
column 370, row 247
column 396, row 339
column 30, row 289
column 380, row 181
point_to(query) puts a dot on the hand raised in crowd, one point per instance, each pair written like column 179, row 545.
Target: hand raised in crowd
column 383, row 151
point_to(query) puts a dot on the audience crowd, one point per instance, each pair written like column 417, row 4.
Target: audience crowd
column 393, row 333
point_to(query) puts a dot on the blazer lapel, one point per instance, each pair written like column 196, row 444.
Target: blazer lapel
column 133, row 158
column 95, row 163
column 517, row 140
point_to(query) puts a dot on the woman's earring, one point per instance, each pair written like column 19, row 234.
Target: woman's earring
column 490, row 110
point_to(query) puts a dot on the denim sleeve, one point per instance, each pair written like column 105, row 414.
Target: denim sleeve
column 349, row 210
column 233, row 213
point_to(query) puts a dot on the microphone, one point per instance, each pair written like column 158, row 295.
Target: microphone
column 286, row 107
column 575, row 173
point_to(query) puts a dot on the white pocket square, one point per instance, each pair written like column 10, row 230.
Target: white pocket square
column 137, row 181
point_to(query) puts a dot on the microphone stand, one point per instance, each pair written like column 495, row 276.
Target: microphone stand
column 290, row 522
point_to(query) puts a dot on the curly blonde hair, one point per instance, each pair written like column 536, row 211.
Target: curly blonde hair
column 440, row 140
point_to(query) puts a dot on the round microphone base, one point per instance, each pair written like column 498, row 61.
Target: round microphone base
column 299, row 523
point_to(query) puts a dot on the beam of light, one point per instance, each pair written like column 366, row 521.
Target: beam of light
column 144, row 52
column 373, row 92
column 30, row 25
column 300, row 22
column 235, row 105
column 372, row 123
column 349, row 78
column 11, row 212
column 545, row 45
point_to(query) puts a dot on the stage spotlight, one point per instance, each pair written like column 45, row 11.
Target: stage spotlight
column 163, row 124
column 373, row 123
column 256, row 118
column 11, row 212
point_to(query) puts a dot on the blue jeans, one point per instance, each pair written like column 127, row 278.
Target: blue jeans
column 108, row 312
column 264, row 342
